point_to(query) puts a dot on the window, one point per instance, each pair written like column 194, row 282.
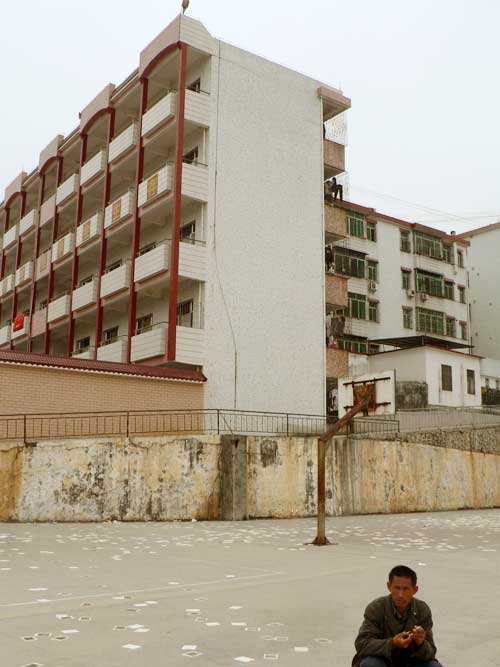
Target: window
column 487, row 383
column 446, row 378
column 463, row 330
column 405, row 279
column 144, row 324
column 188, row 232
column 429, row 283
column 460, row 258
column 497, row 384
column 461, row 294
column 430, row 321
column 448, row 290
column 471, row 382
column 109, row 335
column 146, row 248
column 357, row 306
column 349, row 262
column 191, row 157
column 371, row 231
column 408, row 318
column 372, row 271
column 373, row 311
column 405, row 243
column 428, row 245
column 358, row 345
column 447, row 253
column 451, row 329
column 373, row 349
column 83, row 344
column 195, row 86
column 85, row 281
column 43, row 304
column 185, row 314
column 355, row 224
column 113, row 266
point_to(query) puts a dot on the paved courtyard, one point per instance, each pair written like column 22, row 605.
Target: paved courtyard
column 144, row 595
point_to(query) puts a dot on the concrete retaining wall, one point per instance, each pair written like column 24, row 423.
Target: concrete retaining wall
column 221, row 477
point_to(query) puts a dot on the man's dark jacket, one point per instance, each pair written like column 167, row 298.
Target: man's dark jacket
column 381, row 624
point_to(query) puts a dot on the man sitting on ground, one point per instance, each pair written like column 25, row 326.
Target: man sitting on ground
column 397, row 628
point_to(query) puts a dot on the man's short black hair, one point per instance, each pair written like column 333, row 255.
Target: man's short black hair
column 403, row 571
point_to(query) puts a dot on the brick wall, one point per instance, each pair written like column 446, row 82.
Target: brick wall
column 337, row 363
column 336, row 290
column 335, row 220
column 36, row 389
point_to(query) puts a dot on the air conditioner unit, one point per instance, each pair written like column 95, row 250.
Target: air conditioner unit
column 372, row 286
column 423, row 297
column 410, row 293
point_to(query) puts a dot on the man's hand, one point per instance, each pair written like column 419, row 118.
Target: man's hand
column 403, row 639
column 418, row 634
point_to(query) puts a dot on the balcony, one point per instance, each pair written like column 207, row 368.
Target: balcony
column 86, row 353
column 20, row 331
column 63, row 247
column 116, row 280
column 85, row 295
column 190, row 346
column 47, row 210
column 88, row 230
column 7, row 285
column 335, row 222
column 93, row 167
column 10, row 236
column 67, row 189
column 155, row 185
column 333, row 158
column 193, row 261
column 115, row 350
column 152, row 262
column 197, row 108
column 24, row 274
column 159, row 114
column 38, row 322
column 5, row 335
column 336, row 290
column 123, row 142
column 58, row 308
column 119, row 210
column 195, row 181
column 28, row 222
column 150, row 343
column 43, row 264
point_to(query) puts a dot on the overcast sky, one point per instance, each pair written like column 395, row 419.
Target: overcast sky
column 423, row 78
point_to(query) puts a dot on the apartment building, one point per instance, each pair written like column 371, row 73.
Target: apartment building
column 389, row 283
column 181, row 225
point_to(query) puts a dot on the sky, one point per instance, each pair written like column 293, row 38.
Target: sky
column 424, row 137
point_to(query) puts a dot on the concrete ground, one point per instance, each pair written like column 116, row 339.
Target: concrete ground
column 145, row 595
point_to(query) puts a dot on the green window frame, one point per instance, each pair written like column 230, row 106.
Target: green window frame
column 427, row 245
column 429, row 283
column 356, row 224
column 371, row 231
column 451, row 327
column 349, row 264
column 373, row 311
column 461, row 294
column 404, row 241
column 463, row 330
column 405, row 279
column 430, row 321
column 447, row 253
column 449, row 290
column 460, row 258
column 372, row 270
column 407, row 318
column 357, row 306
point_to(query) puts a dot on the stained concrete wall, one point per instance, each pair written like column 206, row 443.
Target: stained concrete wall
column 411, row 395
column 221, row 477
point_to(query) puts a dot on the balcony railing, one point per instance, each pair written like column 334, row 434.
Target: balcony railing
column 195, row 181
column 10, row 236
column 85, row 295
column 193, row 261
column 149, row 342
column 93, row 167
column 67, row 189
column 113, row 350
column 85, row 353
column 116, row 280
column 123, row 142
column 5, row 335
column 28, row 222
column 190, row 346
column 197, row 108
column 58, row 308
column 39, row 322
column 160, row 113
column 155, row 185
column 152, row 262
column 63, row 247
column 7, row 285
column 89, row 229
column 24, row 273
column 47, row 210
column 43, row 264
column 120, row 209
column 21, row 331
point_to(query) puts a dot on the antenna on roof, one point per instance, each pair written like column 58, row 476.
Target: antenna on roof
column 185, row 5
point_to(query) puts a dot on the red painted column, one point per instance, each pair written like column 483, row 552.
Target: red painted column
column 35, row 257
column 139, row 172
column 74, row 271
column 50, row 288
column 2, row 268
column 19, row 251
column 104, row 243
column 176, row 221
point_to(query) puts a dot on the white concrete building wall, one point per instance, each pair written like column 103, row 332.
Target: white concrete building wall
column 409, row 365
column 265, row 273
